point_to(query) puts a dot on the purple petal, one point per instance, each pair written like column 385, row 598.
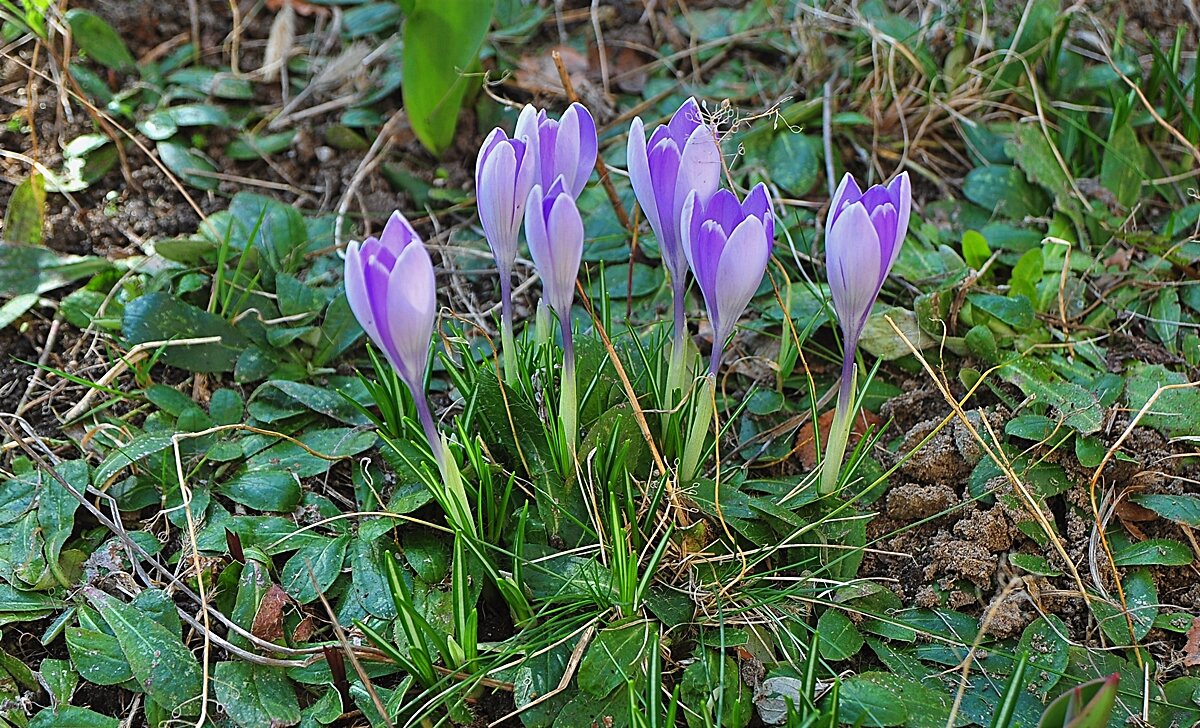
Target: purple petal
column 902, row 189
column 586, row 145
column 685, row 120
column 664, row 171
column 637, row 161
column 706, row 259
column 498, row 206
column 690, row 217
column 876, row 196
column 884, row 220
column 740, row 271
column 494, row 138
column 356, row 292
column 758, row 202
column 724, row 209
column 699, row 167
column 846, row 194
column 397, row 234
column 565, row 228
column 412, row 308
column 853, row 263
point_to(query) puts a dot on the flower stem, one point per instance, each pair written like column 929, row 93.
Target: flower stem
column 568, row 405
column 839, row 429
column 507, row 341
column 702, row 420
column 676, row 374
column 425, row 417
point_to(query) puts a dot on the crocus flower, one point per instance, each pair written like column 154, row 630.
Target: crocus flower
column 682, row 156
column 863, row 234
column 554, row 231
column 727, row 244
column 504, row 174
column 565, row 148
column 392, row 291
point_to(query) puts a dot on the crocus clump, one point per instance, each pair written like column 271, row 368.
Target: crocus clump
column 565, row 148
column 728, row 245
column 505, row 172
column 392, row 291
column 554, row 230
column 863, row 235
column 681, row 157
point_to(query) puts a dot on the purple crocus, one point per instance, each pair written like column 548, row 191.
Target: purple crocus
column 863, row 235
column 727, row 245
column 554, row 230
column 504, row 175
column 392, row 291
column 682, row 156
column 565, row 147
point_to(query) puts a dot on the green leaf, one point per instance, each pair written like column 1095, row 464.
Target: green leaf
column 441, row 43
column 70, row 716
column 191, row 167
column 1166, row 314
column 1004, row 189
column 98, row 39
column 1078, row 406
column 1033, row 564
column 255, row 695
column 1016, row 311
column 1153, row 552
column 1175, row 412
column 25, row 216
column 97, row 656
column 263, row 490
column 254, row 146
column 335, row 442
column 17, row 307
column 1044, row 641
column 162, row 317
column 975, row 249
column 1183, row 509
column 162, row 665
column 1086, row 706
column 339, row 331
column 428, row 554
column 1141, row 599
column 867, row 700
column 324, row 560
column 1122, row 165
column 616, row 655
column 136, row 450
column 840, row 639
column 794, row 162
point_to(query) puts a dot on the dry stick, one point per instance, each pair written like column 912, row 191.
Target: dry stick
column 1112, row 451
column 996, row 456
column 572, row 664
column 601, row 167
column 51, row 337
column 369, row 160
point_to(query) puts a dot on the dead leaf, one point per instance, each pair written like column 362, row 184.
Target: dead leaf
column 279, row 42
column 268, row 622
column 806, row 448
column 304, row 630
column 537, row 74
column 1191, row 650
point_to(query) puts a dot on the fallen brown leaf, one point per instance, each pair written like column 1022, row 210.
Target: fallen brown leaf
column 806, row 447
column 268, row 621
column 1191, row 650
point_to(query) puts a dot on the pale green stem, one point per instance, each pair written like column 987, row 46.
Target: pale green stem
column 702, row 420
column 456, row 495
column 507, row 340
column 839, row 429
column 568, row 405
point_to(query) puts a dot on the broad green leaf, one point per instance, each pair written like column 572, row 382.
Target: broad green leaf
column 70, row 716
column 794, row 162
column 711, row 680
column 614, row 656
column 428, row 554
column 191, row 167
column 136, row 450
column 441, row 44
column 868, row 700
column 1175, row 412
column 585, row 709
column 1045, row 642
column 162, row 665
column 1016, row 311
column 975, row 249
column 1034, row 564
column 162, row 317
column 255, row 695
column 321, row 562
column 98, row 39
column 1141, row 600
column 1122, row 166
column 333, row 443
column 263, row 490
column 16, row 307
column 97, row 656
column 25, row 216
column 1005, row 190
column 253, row 146
column 1154, row 552
column 1077, row 405
column 1183, row 509
column 840, row 639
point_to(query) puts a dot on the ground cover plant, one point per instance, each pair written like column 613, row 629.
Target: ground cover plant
column 559, row 364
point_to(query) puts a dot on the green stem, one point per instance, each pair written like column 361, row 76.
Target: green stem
column 839, row 429
column 702, row 420
column 507, row 340
column 568, row 405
